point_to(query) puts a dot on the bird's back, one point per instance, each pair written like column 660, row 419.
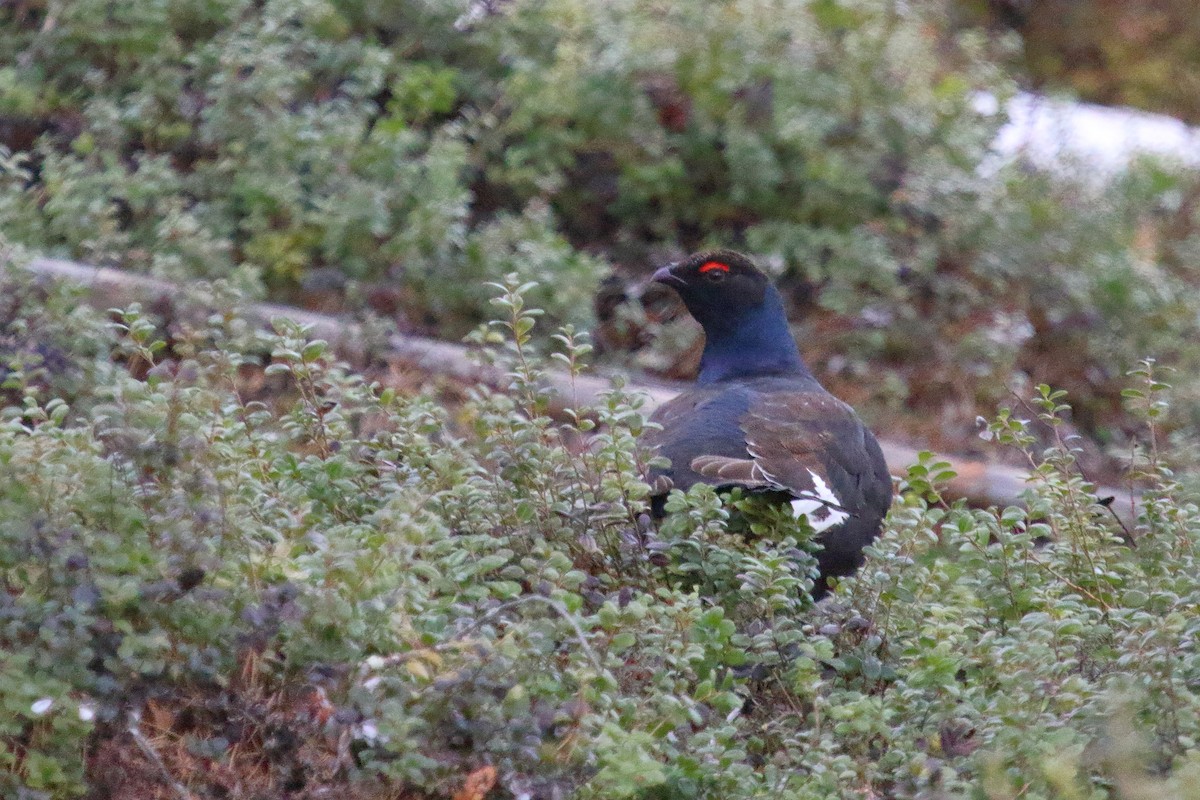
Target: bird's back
column 783, row 435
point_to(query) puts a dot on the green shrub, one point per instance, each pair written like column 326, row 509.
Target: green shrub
column 51, row 346
column 484, row 589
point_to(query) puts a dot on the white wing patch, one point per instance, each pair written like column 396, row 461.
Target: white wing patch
column 757, row 468
column 821, row 507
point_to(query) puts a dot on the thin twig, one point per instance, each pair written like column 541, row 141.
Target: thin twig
column 557, row 607
column 134, row 728
column 554, row 605
column 1126, row 534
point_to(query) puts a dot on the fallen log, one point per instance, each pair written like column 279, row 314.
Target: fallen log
column 980, row 483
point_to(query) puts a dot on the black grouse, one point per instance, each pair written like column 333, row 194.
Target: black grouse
column 759, row 420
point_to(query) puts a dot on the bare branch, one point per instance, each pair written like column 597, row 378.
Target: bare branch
column 979, row 482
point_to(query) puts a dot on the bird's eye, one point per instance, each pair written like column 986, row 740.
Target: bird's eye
column 715, row 271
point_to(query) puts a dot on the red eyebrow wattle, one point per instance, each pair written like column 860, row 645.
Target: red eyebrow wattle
column 711, row 265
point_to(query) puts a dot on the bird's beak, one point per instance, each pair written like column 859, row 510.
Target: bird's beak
column 665, row 275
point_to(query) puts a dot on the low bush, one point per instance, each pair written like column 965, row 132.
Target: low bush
column 361, row 591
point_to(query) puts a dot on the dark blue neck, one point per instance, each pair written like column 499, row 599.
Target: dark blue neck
column 757, row 342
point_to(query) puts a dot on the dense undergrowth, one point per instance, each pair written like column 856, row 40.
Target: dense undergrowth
column 353, row 590
column 402, row 154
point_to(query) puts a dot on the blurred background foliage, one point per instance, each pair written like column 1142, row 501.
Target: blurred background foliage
column 1140, row 53
column 399, row 155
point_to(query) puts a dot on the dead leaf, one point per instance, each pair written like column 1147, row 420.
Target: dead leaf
column 478, row 784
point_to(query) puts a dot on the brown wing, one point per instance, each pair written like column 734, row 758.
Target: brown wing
column 818, row 448
column 765, row 434
column 803, row 439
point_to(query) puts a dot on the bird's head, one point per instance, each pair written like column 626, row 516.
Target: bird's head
column 745, row 327
column 717, row 286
